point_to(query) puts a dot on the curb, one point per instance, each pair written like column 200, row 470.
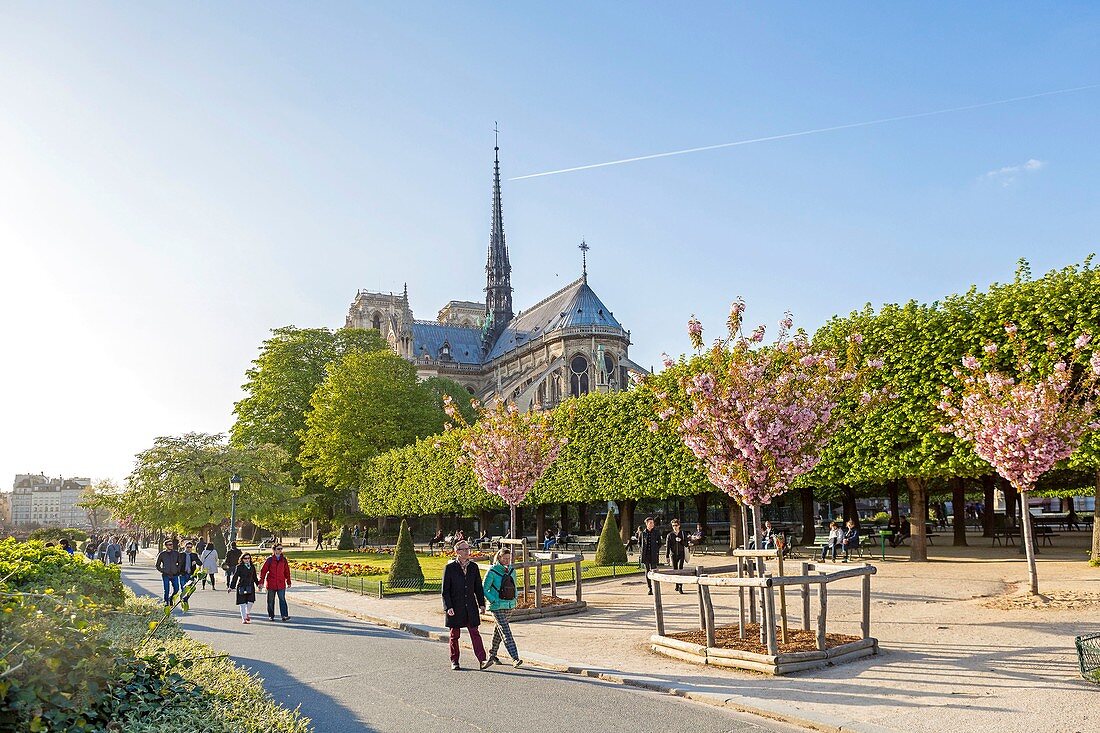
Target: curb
column 824, row 723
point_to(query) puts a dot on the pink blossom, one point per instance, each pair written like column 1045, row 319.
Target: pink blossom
column 875, row 363
column 990, row 348
column 1082, row 341
column 970, row 362
column 758, row 419
column 1011, row 329
column 1094, row 362
column 856, row 338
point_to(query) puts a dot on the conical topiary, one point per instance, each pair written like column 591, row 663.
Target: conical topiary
column 346, row 541
column 610, row 550
column 405, row 571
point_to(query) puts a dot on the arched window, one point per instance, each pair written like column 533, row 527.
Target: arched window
column 376, row 322
column 578, row 377
column 609, row 369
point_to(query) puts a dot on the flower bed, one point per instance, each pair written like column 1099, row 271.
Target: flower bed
column 348, row 569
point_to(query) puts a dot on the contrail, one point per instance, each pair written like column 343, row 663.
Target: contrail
column 803, row 133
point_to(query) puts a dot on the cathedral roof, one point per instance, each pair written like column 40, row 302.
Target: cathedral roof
column 429, row 337
column 574, row 305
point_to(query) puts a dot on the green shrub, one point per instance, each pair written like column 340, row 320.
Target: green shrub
column 610, row 550
column 346, row 541
column 53, row 534
column 405, row 569
column 882, row 518
column 74, row 664
column 31, row 566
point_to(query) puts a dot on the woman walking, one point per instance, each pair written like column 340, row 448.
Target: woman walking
column 500, row 596
column 209, row 559
column 131, row 550
column 245, row 581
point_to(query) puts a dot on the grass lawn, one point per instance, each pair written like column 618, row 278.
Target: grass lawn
column 432, row 565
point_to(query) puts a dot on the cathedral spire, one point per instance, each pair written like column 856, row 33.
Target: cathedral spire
column 583, row 247
column 498, row 271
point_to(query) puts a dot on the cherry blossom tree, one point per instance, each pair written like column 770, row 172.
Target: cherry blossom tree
column 1023, row 424
column 508, row 450
column 758, row 417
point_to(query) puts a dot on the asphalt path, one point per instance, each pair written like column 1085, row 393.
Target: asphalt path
column 349, row 675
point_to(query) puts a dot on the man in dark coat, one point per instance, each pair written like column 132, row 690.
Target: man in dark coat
column 232, row 559
column 463, row 601
column 649, row 549
column 676, row 549
column 168, row 564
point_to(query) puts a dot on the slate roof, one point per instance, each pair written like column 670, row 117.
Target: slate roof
column 429, row 336
column 574, row 305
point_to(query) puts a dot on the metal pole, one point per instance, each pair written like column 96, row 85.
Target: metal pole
column 233, row 518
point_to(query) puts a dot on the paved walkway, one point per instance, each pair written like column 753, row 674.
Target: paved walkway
column 949, row 662
column 352, row 676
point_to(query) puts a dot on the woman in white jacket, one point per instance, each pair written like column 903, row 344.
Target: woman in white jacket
column 831, row 545
column 209, row 560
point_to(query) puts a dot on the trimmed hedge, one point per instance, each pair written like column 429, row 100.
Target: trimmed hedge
column 405, row 569
column 610, row 550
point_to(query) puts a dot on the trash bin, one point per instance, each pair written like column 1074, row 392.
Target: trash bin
column 1088, row 654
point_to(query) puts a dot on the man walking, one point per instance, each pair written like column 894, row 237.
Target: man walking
column 275, row 574
column 232, row 559
column 676, row 549
column 463, row 601
column 649, row 549
column 168, row 565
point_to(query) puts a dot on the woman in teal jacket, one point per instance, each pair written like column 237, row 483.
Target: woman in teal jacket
column 499, row 576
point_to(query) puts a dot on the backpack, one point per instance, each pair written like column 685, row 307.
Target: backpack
column 507, row 588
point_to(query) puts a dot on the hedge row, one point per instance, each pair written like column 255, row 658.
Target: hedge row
column 612, row 453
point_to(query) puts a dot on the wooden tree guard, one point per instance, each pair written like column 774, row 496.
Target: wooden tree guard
column 772, row 662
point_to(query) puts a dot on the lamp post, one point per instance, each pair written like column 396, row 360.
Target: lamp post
column 234, row 487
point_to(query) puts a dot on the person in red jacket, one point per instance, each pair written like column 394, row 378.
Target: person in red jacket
column 275, row 574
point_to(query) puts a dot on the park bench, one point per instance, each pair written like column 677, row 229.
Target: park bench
column 1007, row 536
column 581, row 542
column 822, row 542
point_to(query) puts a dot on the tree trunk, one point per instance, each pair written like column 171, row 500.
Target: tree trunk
column 809, row 522
column 848, row 502
column 1029, row 546
column 895, row 504
column 517, row 522
column 701, row 501
column 1010, row 505
column 958, row 505
column 761, row 568
column 484, row 519
column 512, row 523
column 540, row 524
column 1096, row 519
column 918, row 518
column 564, row 521
column 438, row 522
column 626, row 519
column 733, row 509
column 988, row 500
column 582, row 517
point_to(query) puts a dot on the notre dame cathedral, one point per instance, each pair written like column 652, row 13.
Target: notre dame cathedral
column 567, row 344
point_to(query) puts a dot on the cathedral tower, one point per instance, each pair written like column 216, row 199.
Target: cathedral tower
column 498, row 271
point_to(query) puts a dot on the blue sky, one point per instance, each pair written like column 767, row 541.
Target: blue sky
column 177, row 179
